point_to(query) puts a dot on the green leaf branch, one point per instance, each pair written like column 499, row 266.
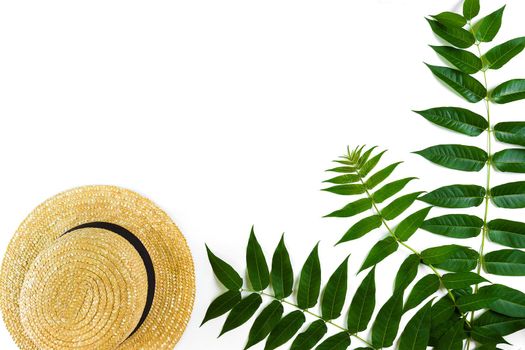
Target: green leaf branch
column 462, row 35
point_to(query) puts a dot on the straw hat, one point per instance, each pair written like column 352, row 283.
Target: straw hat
column 97, row 267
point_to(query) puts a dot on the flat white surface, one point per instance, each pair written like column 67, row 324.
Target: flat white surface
column 225, row 113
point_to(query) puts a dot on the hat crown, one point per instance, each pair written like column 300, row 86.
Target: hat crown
column 85, row 291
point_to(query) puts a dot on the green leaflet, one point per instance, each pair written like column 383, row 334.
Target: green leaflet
column 386, row 324
column 453, row 338
column 264, row 323
column 458, row 37
column 486, row 28
column 423, row 288
column 381, row 175
column 361, row 228
column 499, row 55
column 339, row 341
column 390, row 189
column 335, row 293
column 510, row 160
column 285, row 330
column 509, row 195
column 343, row 169
column 411, row 223
column 463, row 60
column 509, row 302
column 362, row 160
column 222, row 305
column 407, row 272
column 507, row 232
column 487, row 337
column 370, row 164
column 310, row 337
column 310, row 281
column 399, row 205
column 344, row 179
column 346, row 190
column 380, row 251
column 465, row 85
column 224, row 272
column 416, row 334
column 450, row 19
column 438, row 255
column 457, row 119
column 363, row 304
column 512, row 90
column 282, row 273
column 510, row 132
column 455, row 196
column 461, row 260
column 501, row 324
column 458, row 157
column 454, row 225
column 256, row 264
column 505, row 262
column 462, row 280
column 242, row 312
column 498, row 298
column 470, row 8
column 352, row 209
column 442, row 311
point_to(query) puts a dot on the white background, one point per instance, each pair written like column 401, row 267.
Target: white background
column 225, row 113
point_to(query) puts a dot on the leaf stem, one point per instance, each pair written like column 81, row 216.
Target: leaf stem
column 284, row 301
column 392, row 233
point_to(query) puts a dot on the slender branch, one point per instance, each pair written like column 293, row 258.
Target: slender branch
column 484, row 232
column 392, row 233
column 284, row 301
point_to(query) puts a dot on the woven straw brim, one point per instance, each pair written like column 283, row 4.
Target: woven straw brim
column 170, row 255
